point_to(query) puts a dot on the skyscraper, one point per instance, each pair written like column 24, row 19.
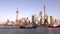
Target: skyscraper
column 42, row 20
column 39, row 17
column 51, row 19
column 48, row 20
column 34, row 19
column 45, row 15
column 7, row 20
column 40, row 13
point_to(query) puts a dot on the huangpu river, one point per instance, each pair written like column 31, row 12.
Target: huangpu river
column 38, row 30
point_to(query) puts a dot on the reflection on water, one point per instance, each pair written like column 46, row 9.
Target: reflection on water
column 50, row 31
column 17, row 30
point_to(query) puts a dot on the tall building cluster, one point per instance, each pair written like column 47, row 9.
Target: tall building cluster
column 35, row 20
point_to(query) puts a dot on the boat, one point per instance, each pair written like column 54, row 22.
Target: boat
column 27, row 27
column 54, row 26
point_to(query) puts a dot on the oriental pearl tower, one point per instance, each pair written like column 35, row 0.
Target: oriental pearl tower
column 17, row 16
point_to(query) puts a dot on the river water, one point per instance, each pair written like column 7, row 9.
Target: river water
column 17, row 30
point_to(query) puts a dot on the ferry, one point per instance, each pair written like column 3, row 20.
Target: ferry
column 28, row 27
column 54, row 26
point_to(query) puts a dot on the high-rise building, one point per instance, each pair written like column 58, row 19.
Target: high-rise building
column 51, row 20
column 45, row 15
column 34, row 19
column 48, row 20
column 59, row 22
column 40, row 13
column 17, row 16
column 7, row 20
column 42, row 20
column 28, row 21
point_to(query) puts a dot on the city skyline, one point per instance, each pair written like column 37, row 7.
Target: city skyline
column 27, row 8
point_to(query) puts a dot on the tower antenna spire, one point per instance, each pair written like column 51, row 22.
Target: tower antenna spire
column 17, row 9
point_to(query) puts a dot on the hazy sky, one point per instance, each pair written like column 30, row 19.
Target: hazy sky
column 28, row 7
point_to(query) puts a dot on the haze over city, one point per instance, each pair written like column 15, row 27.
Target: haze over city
column 27, row 7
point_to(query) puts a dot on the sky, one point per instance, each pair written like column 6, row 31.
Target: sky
column 27, row 8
